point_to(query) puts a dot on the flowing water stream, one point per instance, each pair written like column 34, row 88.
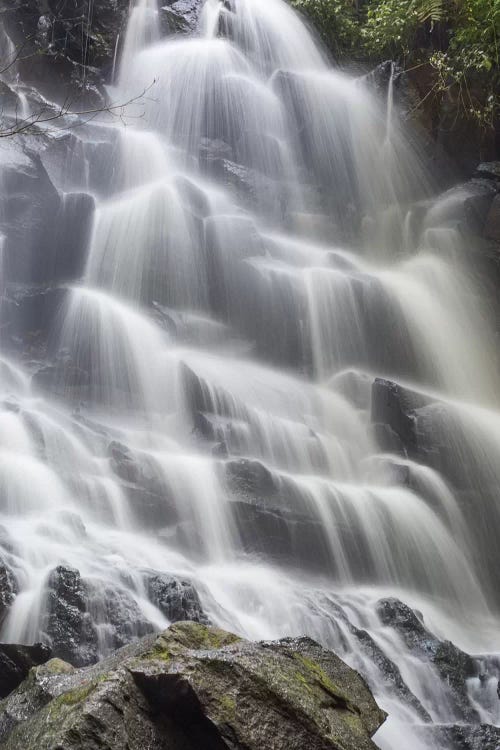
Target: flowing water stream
column 264, row 244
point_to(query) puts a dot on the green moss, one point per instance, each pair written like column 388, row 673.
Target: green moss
column 185, row 636
column 79, row 694
column 72, row 697
column 315, row 674
column 55, row 666
column 227, row 708
column 354, row 723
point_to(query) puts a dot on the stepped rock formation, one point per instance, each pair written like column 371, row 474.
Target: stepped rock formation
column 248, row 378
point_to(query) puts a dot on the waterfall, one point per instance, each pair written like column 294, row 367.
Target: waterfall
column 264, row 243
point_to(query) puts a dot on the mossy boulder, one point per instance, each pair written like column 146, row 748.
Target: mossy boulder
column 195, row 687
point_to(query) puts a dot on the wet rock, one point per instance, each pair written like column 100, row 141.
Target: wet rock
column 355, row 386
column 195, row 389
column 195, row 687
column 465, row 206
column 492, row 224
column 85, row 618
column 63, row 46
column 489, row 169
column 63, row 377
column 150, row 499
column 405, row 95
column 182, row 15
column 152, row 510
column 248, row 477
column 123, row 462
column 388, row 439
column 453, row 665
column 10, row 404
column 28, row 204
column 32, row 314
column 8, row 588
column 281, row 535
column 395, row 406
column 389, row 674
column 463, row 737
column 69, row 625
column 15, row 663
column 176, row 599
column 115, row 614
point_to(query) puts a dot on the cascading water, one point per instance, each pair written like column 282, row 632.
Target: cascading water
column 254, row 263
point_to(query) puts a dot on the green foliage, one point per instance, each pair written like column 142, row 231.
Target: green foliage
column 337, row 22
column 459, row 39
column 390, row 28
column 469, row 67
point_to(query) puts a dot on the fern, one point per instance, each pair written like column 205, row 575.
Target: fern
column 430, row 10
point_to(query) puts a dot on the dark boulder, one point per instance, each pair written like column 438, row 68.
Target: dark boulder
column 69, row 626
column 8, row 588
column 16, row 661
column 176, row 599
column 195, row 687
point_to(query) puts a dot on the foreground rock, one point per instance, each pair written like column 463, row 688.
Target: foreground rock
column 195, row 687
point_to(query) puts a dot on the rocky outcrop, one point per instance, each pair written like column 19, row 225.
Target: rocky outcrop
column 66, row 43
column 69, row 625
column 454, row 666
column 195, row 687
column 16, row 662
column 70, row 46
column 85, row 618
column 176, row 599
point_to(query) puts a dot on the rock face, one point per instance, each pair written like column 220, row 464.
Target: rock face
column 15, row 663
column 195, row 687
column 453, row 665
column 71, row 41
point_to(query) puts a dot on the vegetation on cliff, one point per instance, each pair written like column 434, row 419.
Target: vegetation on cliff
column 457, row 40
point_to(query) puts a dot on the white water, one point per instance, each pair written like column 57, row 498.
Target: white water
column 249, row 248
